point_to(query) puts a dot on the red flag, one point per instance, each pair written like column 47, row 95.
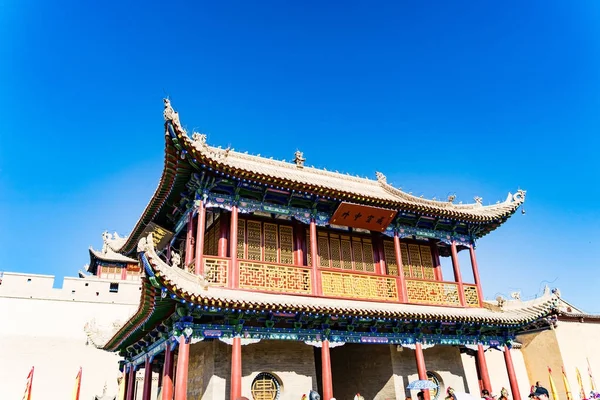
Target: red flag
column 27, row 394
column 77, row 385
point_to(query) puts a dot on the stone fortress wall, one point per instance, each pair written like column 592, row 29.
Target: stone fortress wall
column 43, row 327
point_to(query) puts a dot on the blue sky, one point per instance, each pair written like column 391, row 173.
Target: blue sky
column 471, row 98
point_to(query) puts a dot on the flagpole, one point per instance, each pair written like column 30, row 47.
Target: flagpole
column 28, row 385
column 566, row 383
column 552, row 385
column 591, row 376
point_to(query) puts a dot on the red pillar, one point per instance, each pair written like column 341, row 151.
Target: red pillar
column 189, row 241
column 326, row 370
column 147, row 393
column 436, row 261
column 236, row 368
column 130, row 383
column 380, row 266
column 421, row 369
column 512, row 377
column 401, row 281
column 200, row 228
column 167, row 374
column 233, row 272
column 476, row 275
column 223, row 235
column 483, row 370
column 314, row 258
column 457, row 276
column 298, row 244
column 182, row 369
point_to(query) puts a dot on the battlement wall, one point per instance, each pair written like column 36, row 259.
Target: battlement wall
column 88, row 289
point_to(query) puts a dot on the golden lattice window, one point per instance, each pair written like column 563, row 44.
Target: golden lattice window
column 265, row 241
column 417, row 261
column 345, row 252
column 266, row 387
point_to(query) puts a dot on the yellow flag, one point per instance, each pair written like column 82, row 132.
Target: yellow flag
column 552, row 385
column 28, row 385
column 580, row 382
column 77, row 385
column 566, row 383
column 122, row 387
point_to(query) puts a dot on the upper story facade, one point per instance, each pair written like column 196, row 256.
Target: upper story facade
column 249, row 223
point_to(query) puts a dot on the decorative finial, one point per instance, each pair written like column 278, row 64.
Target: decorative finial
column 175, row 259
column 198, row 139
column 170, row 114
column 381, row 178
column 451, row 198
column 516, row 295
column 478, row 200
column 299, row 159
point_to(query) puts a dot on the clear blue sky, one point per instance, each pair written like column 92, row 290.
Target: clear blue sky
column 471, row 98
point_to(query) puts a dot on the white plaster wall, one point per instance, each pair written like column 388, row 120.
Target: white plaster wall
column 44, row 327
column 470, row 368
column 521, row 372
column 578, row 343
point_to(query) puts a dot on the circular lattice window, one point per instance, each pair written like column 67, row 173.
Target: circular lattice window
column 265, row 387
column 434, row 393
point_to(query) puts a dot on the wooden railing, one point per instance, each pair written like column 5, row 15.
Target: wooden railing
column 359, row 286
column 270, row 277
column 471, row 295
column 284, row 278
column 432, row 292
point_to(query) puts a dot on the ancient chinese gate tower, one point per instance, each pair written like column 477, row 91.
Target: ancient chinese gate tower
column 239, row 249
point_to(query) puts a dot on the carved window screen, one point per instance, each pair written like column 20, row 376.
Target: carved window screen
column 417, row 261
column 265, row 241
column 390, row 257
column 345, row 252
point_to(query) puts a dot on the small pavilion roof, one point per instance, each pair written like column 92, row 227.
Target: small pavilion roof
column 195, row 290
column 296, row 176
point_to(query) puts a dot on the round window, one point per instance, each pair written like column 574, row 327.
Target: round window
column 434, row 393
column 265, row 387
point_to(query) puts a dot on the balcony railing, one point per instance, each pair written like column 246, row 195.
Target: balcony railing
column 277, row 278
column 284, row 278
column 471, row 295
column 432, row 292
column 359, row 286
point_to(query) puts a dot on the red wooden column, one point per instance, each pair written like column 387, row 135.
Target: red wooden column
column 200, row 228
column 130, row 383
column 189, row 241
column 236, row 368
column 224, row 226
column 182, row 369
column 326, row 370
column 377, row 244
column 421, row 369
column 401, row 280
column 457, row 276
column 233, row 272
column 483, row 370
column 299, row 245
column 147, row 393
column 476, row 275
column 167, row 374
column 314, row 258
column 512, row 377
column 436, row 262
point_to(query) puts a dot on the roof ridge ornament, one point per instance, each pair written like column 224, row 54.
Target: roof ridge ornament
column 171, row 115
column 381, row 178
column 299, row 159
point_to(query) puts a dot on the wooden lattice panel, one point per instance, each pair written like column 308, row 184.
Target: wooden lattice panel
column 368, row 256
column 427, row 261
column 405, row 260
column 390, row 257
column 274, row 278
column 415, row 261
column 254, row 240
column 346, row 253
column 357, row 254
column 270, row 242
column 336, row 253
column 286, row 244
column 241, row 239
column 308, row 250
column 323, row 245
column 471, row 296
column 215, row 271
column 424, row 292
column 342, row 284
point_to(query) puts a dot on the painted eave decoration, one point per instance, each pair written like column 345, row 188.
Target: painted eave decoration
column 183, row 155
